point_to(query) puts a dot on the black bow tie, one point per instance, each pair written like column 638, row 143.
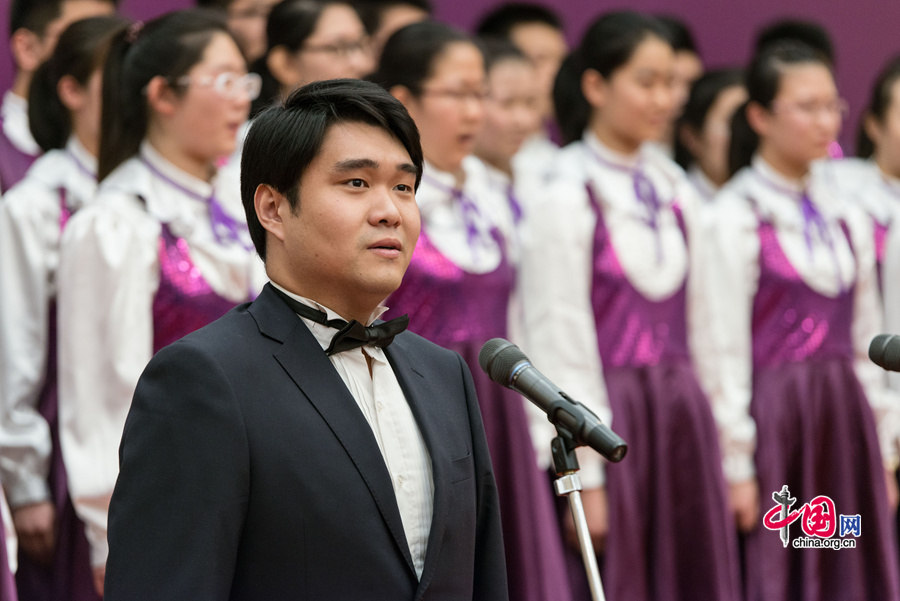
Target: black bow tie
column 351, row 334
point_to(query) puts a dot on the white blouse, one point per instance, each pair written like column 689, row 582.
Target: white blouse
column 448, row 212
column 14, row 112
column 108, row 277
column 557, row 259
column 30, row 234
column 733, row 264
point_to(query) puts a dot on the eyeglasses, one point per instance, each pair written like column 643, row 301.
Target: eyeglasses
column 339, row 49
column 457, row 95
column 811, row 109
column 228, row 84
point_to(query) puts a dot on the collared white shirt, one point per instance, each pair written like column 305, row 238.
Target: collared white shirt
column 556, row 268
column 444, row 219
column 108, row 278
column 14, row 112
column 704, row 186
column 30, row 234
column 382, row 402
column 755, row 193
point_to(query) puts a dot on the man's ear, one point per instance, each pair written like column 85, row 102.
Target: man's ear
column 271, row 206
column 283, row 67
column 759, row 118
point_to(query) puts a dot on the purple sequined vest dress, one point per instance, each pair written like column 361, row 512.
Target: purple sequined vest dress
column 633, row 330
column 13, row 162
column 450, row 306
column 792, row 322
column 184, row 301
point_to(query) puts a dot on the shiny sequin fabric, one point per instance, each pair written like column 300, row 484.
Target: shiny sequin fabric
column 791, row 321
column 632, row 329
column 184, row 301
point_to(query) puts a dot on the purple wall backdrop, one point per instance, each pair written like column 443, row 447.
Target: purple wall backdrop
column 865, row 32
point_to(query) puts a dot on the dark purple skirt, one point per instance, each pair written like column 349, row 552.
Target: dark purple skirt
column 69, row 577
column 816, row 434
column 534, row 551
column 671, row 535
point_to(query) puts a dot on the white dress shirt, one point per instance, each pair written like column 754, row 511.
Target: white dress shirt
column 557, row 259
column 732, row 228
column 14, row 112
column 705, row 188
column 108, row 277
column 372, row 383
column 29, row 256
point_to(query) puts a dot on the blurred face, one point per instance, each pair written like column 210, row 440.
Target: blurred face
column 71, row 11
column 337, row 48
column 688, row 69
column 351, row 238
column 450, row 108
column 711, row 150
column 546, row 47
column 394, row 18
column 201, row 124
column 804, row 118
column 635, row 103
column 247, row 21
column 885, row 135
column 511, row 112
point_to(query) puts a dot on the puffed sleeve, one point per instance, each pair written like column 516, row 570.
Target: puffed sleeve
column 727, row 272
column 107, row 279
column 29, row 245
column 869, row 319
column 560, row 336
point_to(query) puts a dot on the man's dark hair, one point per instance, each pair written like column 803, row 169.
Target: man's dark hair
column 501, row 21
column 284, row 139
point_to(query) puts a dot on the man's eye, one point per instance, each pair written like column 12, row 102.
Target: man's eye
column 357, row 183
column 404, row 188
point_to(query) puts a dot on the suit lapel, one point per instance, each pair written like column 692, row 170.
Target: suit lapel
column 423, row 397
column 311, row 370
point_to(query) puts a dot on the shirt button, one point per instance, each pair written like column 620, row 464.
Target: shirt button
column 379, row 406
column 400, row 480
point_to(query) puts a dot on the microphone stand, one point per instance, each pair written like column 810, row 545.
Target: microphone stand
column 568, row 484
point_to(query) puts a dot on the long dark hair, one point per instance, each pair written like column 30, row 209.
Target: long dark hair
column 169, row 47
column 608, row 44
column 879, row 103
column 409, row 54
column 763, row 82
column 290, row 23
column 80, row 51
column 704, row 93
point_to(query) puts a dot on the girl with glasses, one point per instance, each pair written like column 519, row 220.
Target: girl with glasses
column 611, row 303
column 311, row 40
column 64, row 107
column 460, row 281
column 794, row 309
column 163, row 249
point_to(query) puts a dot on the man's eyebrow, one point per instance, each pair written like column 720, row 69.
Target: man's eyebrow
column 355, row 164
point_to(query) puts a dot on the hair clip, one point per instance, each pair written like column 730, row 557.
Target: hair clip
column 133, row 31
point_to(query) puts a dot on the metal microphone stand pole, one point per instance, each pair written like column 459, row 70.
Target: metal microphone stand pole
column 568, row 484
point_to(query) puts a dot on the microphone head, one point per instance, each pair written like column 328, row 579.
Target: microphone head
column 884, row 350
column 498, row 357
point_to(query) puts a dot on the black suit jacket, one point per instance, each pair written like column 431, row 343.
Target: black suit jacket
column 247, row 472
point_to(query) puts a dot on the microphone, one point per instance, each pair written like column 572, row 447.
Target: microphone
column 506, row 364
column 884, row 350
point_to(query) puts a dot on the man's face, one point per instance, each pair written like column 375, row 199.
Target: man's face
column 351, row 238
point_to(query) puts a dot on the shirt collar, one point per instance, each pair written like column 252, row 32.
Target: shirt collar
column 624, row 161
column 323, row 333
column 84, row 160
column 188, row 182
column 764, row 169
column 14, row 112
